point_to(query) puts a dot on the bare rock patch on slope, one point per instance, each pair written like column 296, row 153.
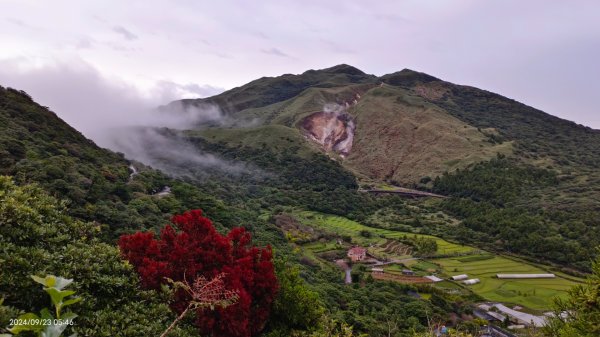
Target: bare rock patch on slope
column 332, row 128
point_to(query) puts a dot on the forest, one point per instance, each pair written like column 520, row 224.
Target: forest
column 492, row 198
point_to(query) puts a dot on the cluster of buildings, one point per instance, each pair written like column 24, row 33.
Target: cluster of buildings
column 464, row 278
column 358, row 254
column 491, row 312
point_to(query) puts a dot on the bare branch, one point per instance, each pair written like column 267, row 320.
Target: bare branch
column 204, row 294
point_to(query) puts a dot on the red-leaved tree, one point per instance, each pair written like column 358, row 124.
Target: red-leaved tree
column 194, row 248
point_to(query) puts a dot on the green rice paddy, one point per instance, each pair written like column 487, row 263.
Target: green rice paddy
column 532, row 293
column 343, row 226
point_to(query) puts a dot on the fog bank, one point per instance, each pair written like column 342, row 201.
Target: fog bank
column 119, row 116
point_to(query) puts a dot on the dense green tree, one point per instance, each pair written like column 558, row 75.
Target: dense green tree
column 491, row 199
column 296, row 308
column 578, row 315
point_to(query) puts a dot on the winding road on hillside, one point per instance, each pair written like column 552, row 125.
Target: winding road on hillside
column 403, row 191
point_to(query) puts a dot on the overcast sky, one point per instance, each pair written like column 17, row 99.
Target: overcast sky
column 543, row 53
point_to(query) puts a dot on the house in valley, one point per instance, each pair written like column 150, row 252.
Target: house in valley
column 357, row 254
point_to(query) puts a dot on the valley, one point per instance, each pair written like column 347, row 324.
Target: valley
column 386, row 249
column 426, row 179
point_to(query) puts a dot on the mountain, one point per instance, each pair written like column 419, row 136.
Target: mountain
column 414, row 130
column 405, row 126
column 268, row 90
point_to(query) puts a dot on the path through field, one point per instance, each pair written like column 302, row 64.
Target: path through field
column 342, row 264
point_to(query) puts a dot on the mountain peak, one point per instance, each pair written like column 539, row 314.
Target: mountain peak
column 341, row 69
column 407, row 77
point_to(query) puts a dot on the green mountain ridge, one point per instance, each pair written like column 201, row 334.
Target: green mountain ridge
column 521, row 183
column 410, row 127
column 453, row 126
column 277, row 89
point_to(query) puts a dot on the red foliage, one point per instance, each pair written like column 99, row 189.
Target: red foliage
column 197, row 249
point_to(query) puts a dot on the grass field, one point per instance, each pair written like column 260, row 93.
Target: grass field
column 426, row 267
column 533, row 293
column 393, row 268
column 320, row 247
column 343, row 226
column 277, row 138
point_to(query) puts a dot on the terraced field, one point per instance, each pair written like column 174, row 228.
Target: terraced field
column 343, row 226
column 396, row 247
column 401, row 278
column 532, row 293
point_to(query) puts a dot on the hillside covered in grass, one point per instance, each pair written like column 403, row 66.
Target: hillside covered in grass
column 414, row 130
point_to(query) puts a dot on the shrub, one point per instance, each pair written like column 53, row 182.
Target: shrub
column 195, row 249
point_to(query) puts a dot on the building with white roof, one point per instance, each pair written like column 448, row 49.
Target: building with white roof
column 471, row 281
column 460, row 277
column 521, row 317
column 434, row 278
column 523, row 276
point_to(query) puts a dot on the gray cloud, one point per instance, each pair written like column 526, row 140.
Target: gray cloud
column 85, row 43
column 275, row 51
column 17, row 22
column 119, row 47
column 341, row 48
column 21, row 24
column 167, row 90
column 125, row 33
column 167, row 151
column 261, row 35
column 393, row 18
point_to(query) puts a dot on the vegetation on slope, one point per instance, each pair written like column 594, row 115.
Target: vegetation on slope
column 579, row 314
column 491, row 198
column 401, row 138
column 38, row 147
column 38, row 237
